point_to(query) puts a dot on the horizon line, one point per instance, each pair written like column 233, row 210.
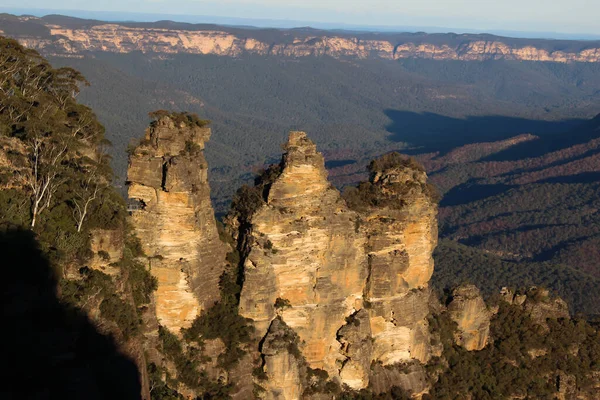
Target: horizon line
column 269, row 23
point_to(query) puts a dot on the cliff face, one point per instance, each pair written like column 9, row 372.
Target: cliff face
column 124, row 39
column 174, row 220
column 311, row 262
column 306, row 251
column 401, row 237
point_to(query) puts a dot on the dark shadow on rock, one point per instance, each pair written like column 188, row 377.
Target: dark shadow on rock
column 49, row 350
column 435, row 132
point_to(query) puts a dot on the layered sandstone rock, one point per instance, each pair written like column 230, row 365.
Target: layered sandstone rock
column 309, row 259
column 401, row 236
column 282, row 363
column 125, row 39
column 472, row 316
column 305, row 250
column 357, row 346
column 174, row 219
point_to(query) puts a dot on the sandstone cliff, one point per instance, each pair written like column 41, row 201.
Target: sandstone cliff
column 305, row 251
column 174, row 219
column 122, row 38
column 350, row 281
column 400, row 223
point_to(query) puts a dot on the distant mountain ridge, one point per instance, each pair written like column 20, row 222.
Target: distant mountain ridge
column 60, row 35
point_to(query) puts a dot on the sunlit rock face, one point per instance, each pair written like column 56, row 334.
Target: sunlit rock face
column 117, row 38
column 472, row 317
column 327, row 285
column 174, row 220
column 351, row 283
column 307, row 251
column 281, row 364
column 401, row 237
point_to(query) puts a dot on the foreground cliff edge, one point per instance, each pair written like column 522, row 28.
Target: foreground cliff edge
column 308, row 293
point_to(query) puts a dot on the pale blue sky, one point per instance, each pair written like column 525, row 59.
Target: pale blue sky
column 568, row 16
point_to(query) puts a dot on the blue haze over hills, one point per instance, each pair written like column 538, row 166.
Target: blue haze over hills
column 286, row 23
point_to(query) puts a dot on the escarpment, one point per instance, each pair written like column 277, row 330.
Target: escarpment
column 122, row 38
column 174, row 220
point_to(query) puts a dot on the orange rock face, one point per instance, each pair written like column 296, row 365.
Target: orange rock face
column 175, row 220
column 310, row 251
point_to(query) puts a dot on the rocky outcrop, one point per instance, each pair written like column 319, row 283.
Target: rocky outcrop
column 412, row 378
column 107, row 249
column 351, row 282
column 173, row 218
column 357, row 347
column 282, row 363
column 472, row 317
column 401, row 235
column 62, row 40
column 331, row 287
column 306, row 252
column 538, row 303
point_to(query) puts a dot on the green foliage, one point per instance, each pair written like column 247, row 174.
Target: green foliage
column 159, row 389
column 14, row 209
column 192, row 148
column 319, row 383
column 395, row 393
column 223, row 321
column 188, row 362
column 507, row 367
column 186, row 118
column 456, row 264
column 394, row 160
column 281, row 304
column 96, row 288
column 141, row 281
column 248, row 200
column 59, row 172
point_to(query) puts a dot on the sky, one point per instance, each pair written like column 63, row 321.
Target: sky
column 565, row 16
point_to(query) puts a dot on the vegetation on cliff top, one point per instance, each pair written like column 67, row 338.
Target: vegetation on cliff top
column 185, row 118
column 393, row 195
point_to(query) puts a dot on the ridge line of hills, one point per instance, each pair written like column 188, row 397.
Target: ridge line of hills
column 56, row 34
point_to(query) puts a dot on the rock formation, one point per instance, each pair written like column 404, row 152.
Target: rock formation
column 472, row 316
column 107, row 249
column 538, row 303
column 174, row 220
column 306, row 251
column 401, row 233
column 350, row 281
column 121, row 38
